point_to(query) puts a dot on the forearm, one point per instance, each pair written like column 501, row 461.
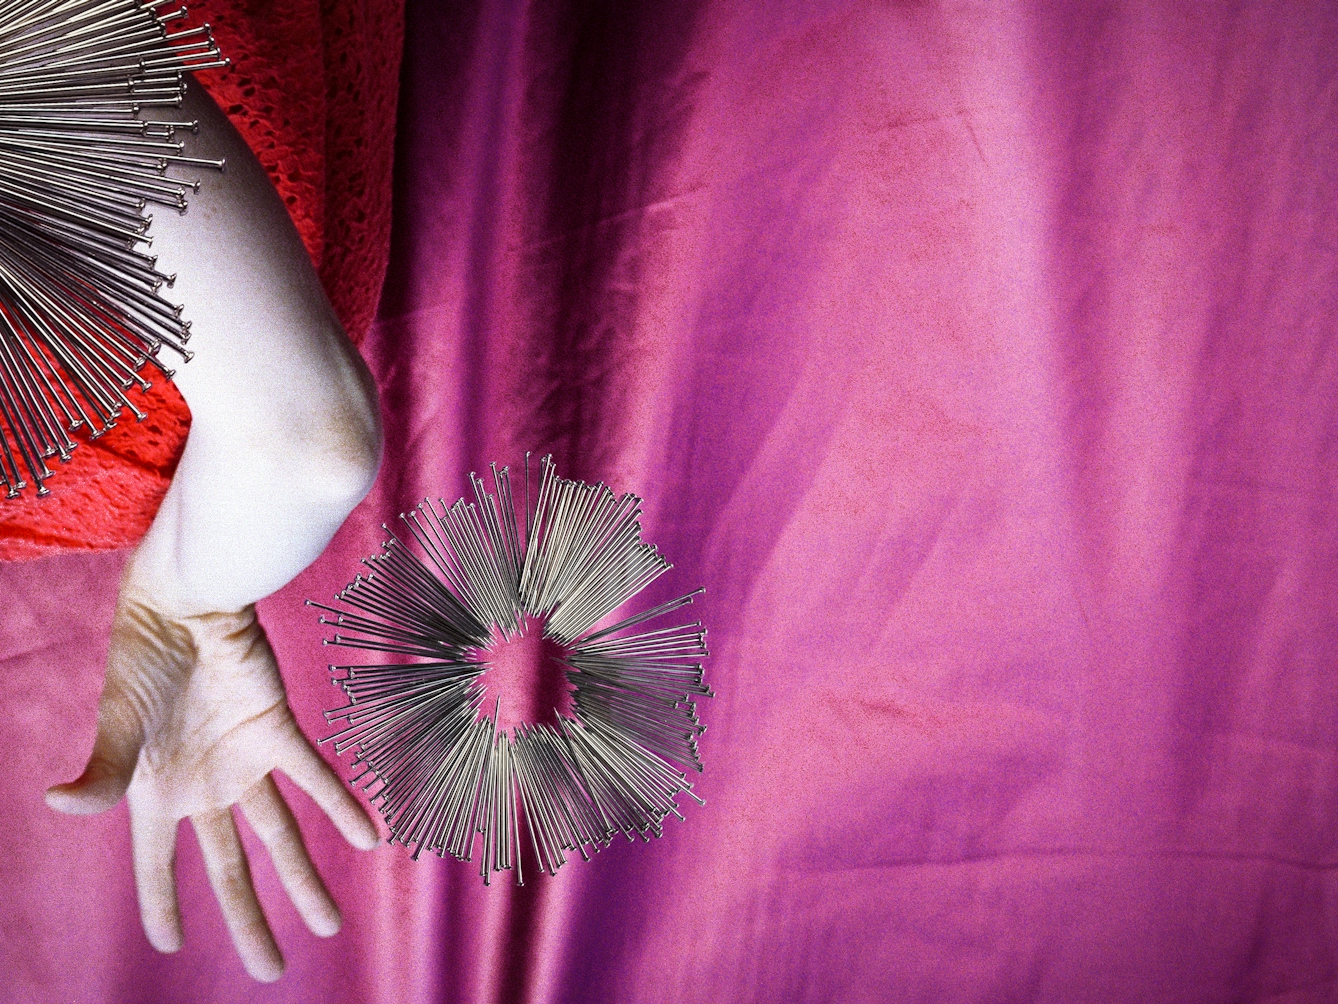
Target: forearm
column 285, row 440
column 285, row 437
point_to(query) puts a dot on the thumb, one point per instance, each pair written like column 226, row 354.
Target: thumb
column 110, row 767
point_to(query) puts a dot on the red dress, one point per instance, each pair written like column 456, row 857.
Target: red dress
column 312, row 89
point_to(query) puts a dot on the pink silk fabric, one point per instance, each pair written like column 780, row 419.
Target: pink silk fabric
column 980, row 361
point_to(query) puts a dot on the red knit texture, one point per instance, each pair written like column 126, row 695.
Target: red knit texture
column 312, row 89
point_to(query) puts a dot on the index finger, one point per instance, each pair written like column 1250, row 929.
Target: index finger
column 153, row 841
column 312, row 774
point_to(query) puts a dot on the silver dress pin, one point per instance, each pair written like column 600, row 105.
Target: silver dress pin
column 81, row 311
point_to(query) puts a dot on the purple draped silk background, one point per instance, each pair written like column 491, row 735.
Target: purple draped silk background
column 980, row 360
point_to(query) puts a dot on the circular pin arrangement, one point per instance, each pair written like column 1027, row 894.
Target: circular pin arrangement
column 425, row 732
column 80, row 310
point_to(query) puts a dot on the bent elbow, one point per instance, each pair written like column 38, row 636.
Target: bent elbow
column 341, row 480
column 344, row 458
column 340, row 447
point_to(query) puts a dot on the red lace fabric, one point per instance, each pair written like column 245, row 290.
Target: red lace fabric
column 313, row 89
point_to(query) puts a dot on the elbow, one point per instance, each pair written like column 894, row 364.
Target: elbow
column 304, row 429
column 343, row 444
column 358, row 471
column 347, row 471
column 345, row 457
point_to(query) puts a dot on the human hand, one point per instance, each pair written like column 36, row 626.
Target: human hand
column 192, row 720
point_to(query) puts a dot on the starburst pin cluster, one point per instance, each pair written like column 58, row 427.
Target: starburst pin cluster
column 80, row 310
column 429, row 745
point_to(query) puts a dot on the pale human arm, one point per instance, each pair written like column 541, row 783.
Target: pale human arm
column 284, row 442
column 285, row 436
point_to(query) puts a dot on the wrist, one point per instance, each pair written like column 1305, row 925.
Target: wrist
column 152, row 579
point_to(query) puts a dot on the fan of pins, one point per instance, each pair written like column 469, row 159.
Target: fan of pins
column 80, row 310
column 429, row 750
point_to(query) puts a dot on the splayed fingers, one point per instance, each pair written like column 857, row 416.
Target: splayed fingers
column 192, row 721
column 309, row 771
column 274, row 823
column 230, row 875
